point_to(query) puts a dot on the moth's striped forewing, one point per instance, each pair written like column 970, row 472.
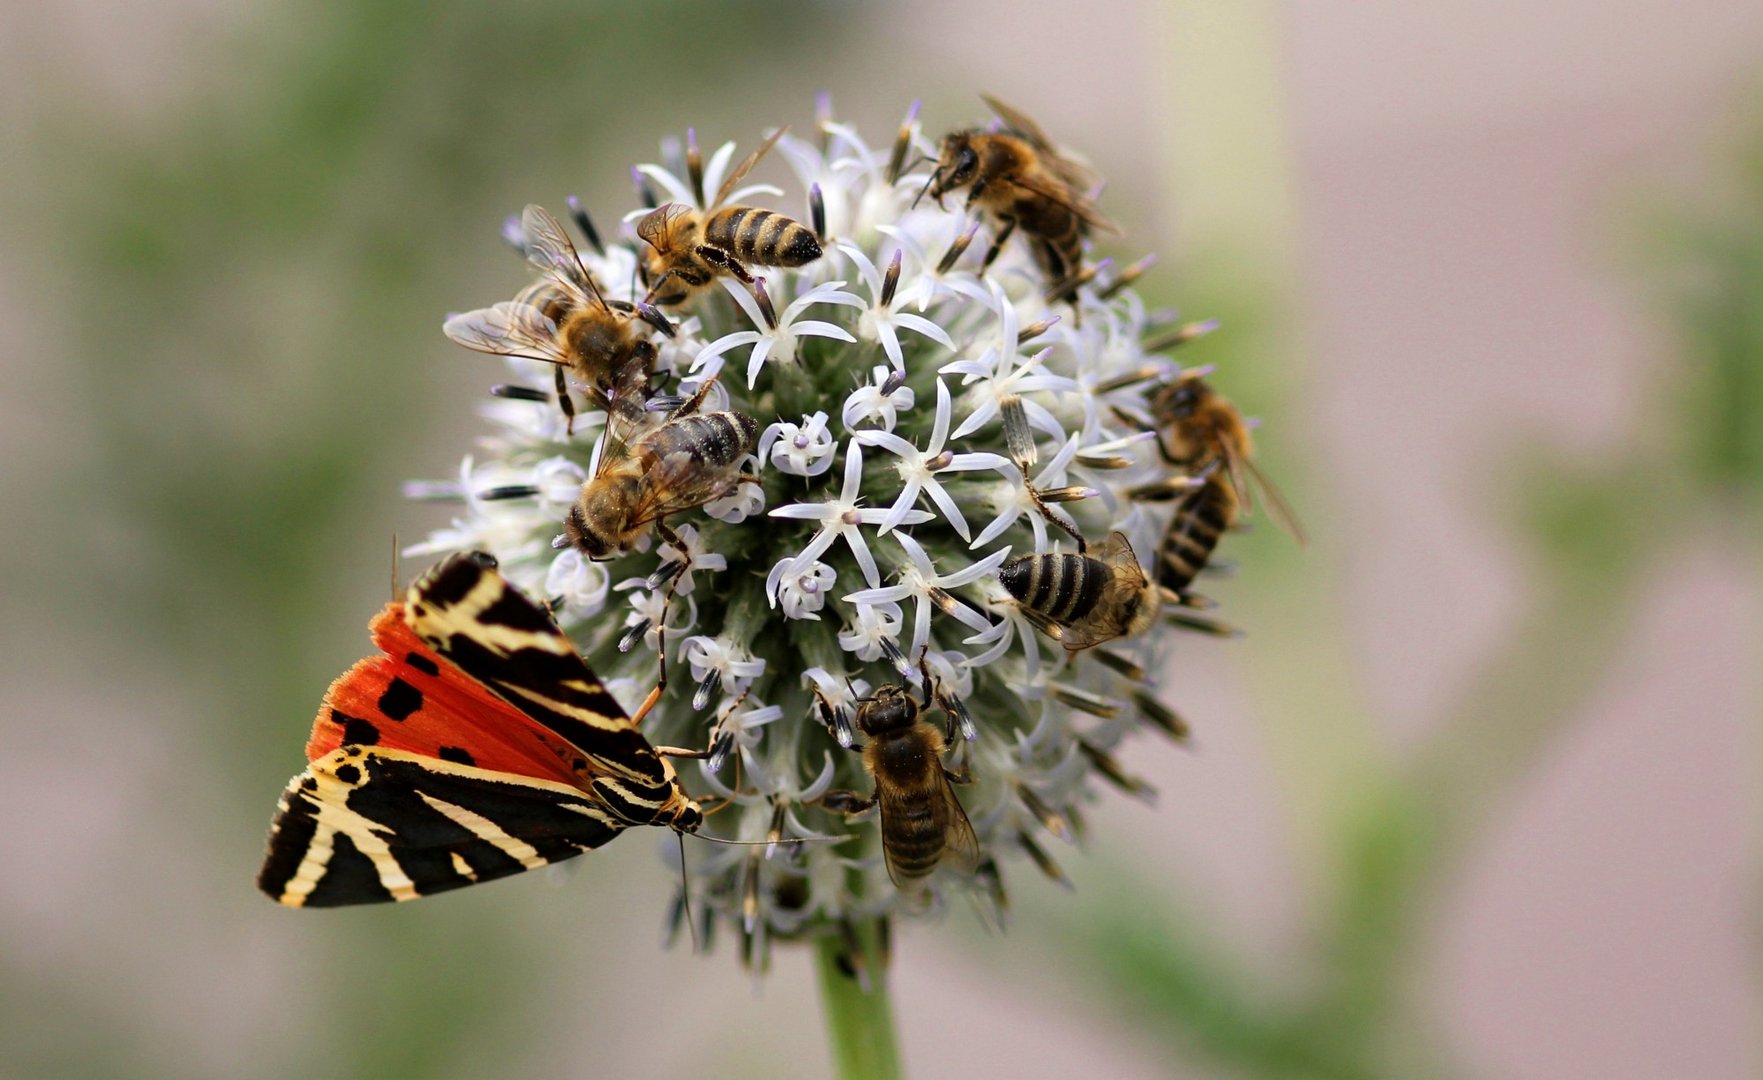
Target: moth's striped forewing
column 478, row 745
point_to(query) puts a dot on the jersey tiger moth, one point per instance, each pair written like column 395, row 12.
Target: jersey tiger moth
column 480, row 744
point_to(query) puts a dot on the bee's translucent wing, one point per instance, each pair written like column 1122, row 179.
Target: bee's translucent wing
column 549, row 248
column 746, row 166
column 510, row 328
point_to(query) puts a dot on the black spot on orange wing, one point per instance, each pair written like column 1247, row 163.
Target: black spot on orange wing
column 356, row 731
column 422, row 663
column 456, row 754
column 400, row 700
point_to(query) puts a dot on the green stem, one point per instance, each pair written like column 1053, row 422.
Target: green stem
column 854, row 999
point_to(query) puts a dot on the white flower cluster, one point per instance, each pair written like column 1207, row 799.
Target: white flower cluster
column 890, row 495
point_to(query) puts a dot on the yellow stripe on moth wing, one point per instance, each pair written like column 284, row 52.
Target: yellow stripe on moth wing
column 442, row 767
column 366, row 835
column 597, row 720
column 631, row 797
column 463, row 868
column 313, row 864
column 487, row 831
column 464, row 616
column 585, row 686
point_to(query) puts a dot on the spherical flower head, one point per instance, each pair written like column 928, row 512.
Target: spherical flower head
column 928, row 420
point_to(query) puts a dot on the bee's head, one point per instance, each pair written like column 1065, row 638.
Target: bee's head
column 579, row 530
column 957, row 165
column 891, row 709
column 1179, row 399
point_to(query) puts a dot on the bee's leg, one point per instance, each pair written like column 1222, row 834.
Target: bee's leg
column 723, row 261
column 564, row 401
column 980, row 184
column 1042, row 623
column 690, row 406
column 1176, row 612
column 836, row 720
column 654, row 289
column 1064, row 524
column 997, row 244
column 1065, row 286
column 841, row 801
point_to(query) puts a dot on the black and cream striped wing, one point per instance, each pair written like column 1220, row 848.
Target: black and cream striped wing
column 366, row 825
column 468, row 614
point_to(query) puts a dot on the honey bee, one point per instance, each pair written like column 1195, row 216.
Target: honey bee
column 922, row 823
column 652, row 467
column 689, row 247
column 1200, row 521
column 563, row 318
column 1020, row 178
column 1085, row 599
column 1199, row 429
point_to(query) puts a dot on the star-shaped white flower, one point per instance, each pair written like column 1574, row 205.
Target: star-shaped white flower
column 678, row 189
column 1012, row 500
column 920, row 581
column 582, row 583
column 880, row 401
column 694, row 556
column 647, row 606
column 919, row 469
column 880, row 321
column 1002, row 371
column 928, row 237
column 719, row 664
column 777, row 343
column 876, row 623
column 804, row 449
column 838, row 518
column 803, row 595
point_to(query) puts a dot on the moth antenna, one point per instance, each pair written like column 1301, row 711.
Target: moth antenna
column 394, row 566
column 782, row 840
column 685, row 892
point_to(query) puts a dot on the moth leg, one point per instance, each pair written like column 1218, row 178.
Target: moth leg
column 670, row 537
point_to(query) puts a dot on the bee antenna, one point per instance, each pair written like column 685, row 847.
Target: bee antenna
column 652, row 315
column 934, row 174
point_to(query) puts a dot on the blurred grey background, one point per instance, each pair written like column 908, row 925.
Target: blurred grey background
column 1476, row 797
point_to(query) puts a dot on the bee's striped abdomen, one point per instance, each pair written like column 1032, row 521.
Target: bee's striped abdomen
column 716, row 439
column 1062, row 586
column 915, row 836
column 764, row 237
column 1194, row 532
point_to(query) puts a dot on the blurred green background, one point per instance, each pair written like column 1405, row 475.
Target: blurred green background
column 1476, row 797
